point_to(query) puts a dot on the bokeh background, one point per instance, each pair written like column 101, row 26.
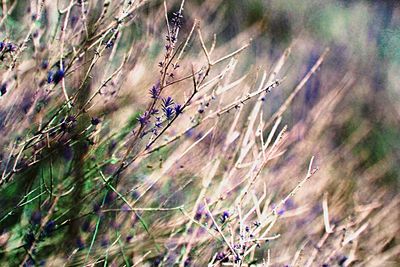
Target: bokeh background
column 347, row 116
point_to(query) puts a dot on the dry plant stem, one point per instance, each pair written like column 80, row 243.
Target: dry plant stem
column 124, row 165
column 328, row 228
column 106, row 183
column 4, row 11
column 224, row 110
column 131, row 145
column 103, row 14
column 42, row 225
column 274, row 215
column 189, row 217
column 63, row 28
column 311, row 171
column 196, row 22
column 105, row 82
column 117, row 21
column 268, row 229
column 30, row 142
column 220, row 112
column 4, row 177
column 296, row 90
column 186, row 151
column 268, row 257
column 23, row 46
column 98, row 53
column 84, row 19
column 237, row 163
column 252, row 117
column 144, row 209
column 167, row 20
column 206, row 182
column 316, row 250
column 244, row 99
column 258, row 105
column 43, row 128
column 37, row 136
column 297, row 255
column 141, row 259
column 219, row 229
column 107, row 251
column 257, row 169
column 353, row 236
column 212, row 63
column 7, row 12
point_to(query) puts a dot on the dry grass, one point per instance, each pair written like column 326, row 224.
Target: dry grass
column 230, row 177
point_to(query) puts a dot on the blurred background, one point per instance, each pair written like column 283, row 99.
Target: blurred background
column 347, row 115
column 364, row 42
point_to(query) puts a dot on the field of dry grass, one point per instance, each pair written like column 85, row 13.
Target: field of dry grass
column 199, row 133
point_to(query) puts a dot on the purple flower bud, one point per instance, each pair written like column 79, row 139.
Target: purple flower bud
column 58, row 76
column 110, row 197
column 29, row 239
column 225, row 215
column 104, row 242
column 342, row 260
column 178, row 109
column 70, row 119
column 3, row 89
column 96, row 207
column 86, row 226
column 109, row 44
column 199, row 212
column 50, row 76
column 95, row 121
column 144, row 118
column 155, row 91
column 128, row 238
column 168, row 112
column 188, row 262
column 220, row 256
column 289, row 204
column 158, row 123
column 237, row 259
column 36, row 217
column 167, row 101
column 45, row 64
column 80, row 244
column 49, row 227
column 10, row 47
column 189, row 133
